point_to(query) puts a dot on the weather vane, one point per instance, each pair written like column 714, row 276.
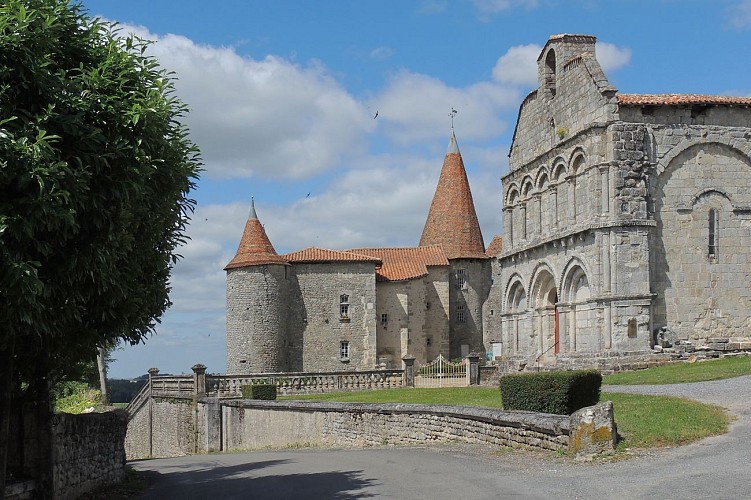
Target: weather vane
column 452, row 115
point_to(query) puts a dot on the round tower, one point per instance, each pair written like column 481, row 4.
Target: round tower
column 256, row 292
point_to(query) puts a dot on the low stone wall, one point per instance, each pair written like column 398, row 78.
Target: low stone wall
column 88, row 451
column 257, row 424
column 162, row 427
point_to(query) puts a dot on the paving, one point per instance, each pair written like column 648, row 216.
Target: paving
column 716, row 467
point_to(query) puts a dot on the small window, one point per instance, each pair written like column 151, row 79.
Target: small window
column 460, row 314
column 344, row 306
column 460, row 279
column 427, row 306
column 344, row 350
column 713, row 227
column 384, row 319
column 429, row 341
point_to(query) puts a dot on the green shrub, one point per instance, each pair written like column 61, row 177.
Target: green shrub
column 78, row 398
column 561, row 392
column 259, row 391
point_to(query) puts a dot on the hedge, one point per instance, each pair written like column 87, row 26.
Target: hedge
column 559, row 392
column 258, row 391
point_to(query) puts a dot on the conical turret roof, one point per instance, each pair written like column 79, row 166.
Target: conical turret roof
column 452, row 221
column 255, row 248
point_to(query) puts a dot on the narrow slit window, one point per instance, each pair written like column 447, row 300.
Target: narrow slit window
column 713, row 227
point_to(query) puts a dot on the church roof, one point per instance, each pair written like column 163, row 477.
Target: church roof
column 680, row 99
column 452, row 221
column 314, row 254
column 400, row 264
column 495, row 247
column 255, row 248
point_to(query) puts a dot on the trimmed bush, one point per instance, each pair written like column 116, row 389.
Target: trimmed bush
column 259, row 391
column 561, row 392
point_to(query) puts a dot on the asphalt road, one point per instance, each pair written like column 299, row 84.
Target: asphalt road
column 717, row 467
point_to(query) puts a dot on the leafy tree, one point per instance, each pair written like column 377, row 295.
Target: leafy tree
column 95, row 171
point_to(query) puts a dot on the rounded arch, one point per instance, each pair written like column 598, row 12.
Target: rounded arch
column 742, row 150
column 712, row 192
column 541, row 172
column 575, row 283
column 542, row 181
column 512, row 195
column 549, row 71
column 515, row 295
column 527, row 186
column 558, row 172
column 578, row 160
column 543, row 289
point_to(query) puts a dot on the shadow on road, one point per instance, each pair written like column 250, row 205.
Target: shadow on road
column 251, row 480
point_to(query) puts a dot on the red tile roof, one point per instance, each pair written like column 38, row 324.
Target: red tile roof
column 401, row 264
column 313, row 254
column 255, row 249
column 452, row 220
column 495, row 247
column 679, row 99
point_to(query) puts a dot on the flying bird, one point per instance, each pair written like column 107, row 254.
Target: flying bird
column 307, row 195
column 376, row 115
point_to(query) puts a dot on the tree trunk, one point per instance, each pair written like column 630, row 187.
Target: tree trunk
column 101, row 353
column 6, row 385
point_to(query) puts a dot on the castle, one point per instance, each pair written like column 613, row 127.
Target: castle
column 624, row 215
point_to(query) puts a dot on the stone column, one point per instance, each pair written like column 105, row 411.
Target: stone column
column 409, row 370
column 604, row 189
column 572, row 199
column 523, row 208
column 153, row 372
column 473, row 368
column 508, row 224
column 554, row 208
column 538, row 204
column 199, row 380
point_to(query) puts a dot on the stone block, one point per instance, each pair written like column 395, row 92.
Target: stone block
column 592, row 431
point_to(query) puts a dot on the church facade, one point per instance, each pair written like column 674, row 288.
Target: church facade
column 624, row 215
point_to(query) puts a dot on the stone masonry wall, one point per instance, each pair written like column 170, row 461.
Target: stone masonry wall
column 256, row 308
column 256, row 424
column 138, row 437
column 88, row 451
column 467, row 327
column 316, row 328
column 173, row 427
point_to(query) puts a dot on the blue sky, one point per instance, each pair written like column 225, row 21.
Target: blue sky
column 283, row 94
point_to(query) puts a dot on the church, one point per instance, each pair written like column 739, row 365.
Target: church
column 624, row 216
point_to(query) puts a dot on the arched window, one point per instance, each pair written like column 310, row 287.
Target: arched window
column 713, row 230
column 550, row 72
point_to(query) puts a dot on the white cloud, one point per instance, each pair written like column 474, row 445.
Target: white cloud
column 612, row 57
column 381, row 53
column 267, row 117
column 518, row 66
column 413, row 104
column 740, row 15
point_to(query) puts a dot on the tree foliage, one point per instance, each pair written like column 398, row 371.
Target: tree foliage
column 95, row 171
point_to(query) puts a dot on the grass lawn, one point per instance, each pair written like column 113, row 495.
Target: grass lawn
column 643, row 421
column 700, row 371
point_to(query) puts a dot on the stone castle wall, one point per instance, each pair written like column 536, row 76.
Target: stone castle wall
column 314, row 324
column 466, row 305
column 257, row 300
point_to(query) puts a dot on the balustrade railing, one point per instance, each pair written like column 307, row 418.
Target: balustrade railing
column 173, row 385
column 303, row 383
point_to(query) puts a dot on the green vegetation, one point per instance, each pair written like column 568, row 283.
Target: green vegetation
column 648, row 421
column 559, row 392
column 682, row 373
column 643, row 421
column 77, row 397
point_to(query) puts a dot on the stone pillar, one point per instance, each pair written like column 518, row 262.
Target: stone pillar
column 604, row 189
column 213, row 426
column 409, row 370
column 473, row 368
column 508, row 222
column 537, row 199
column 572, row 199
column 199, row 380
column 554, row 208
column 153, row 372
column 523, row 208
